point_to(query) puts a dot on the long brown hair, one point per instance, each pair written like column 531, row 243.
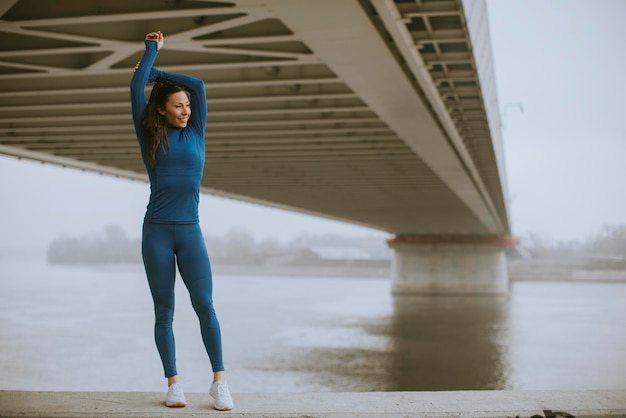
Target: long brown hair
column 154, row 122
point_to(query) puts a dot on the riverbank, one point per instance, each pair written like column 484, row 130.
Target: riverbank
column 567, row 269
column 537, row 270
column 378, row 271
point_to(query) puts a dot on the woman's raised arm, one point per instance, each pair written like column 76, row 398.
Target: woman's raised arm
column 144, row 73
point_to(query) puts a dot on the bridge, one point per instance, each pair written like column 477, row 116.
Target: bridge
column 381, row 113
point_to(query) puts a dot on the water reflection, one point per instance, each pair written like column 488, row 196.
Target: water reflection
column 448, row 343
column 425, row 343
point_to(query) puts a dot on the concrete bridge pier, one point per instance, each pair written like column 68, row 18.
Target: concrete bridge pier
column 450, row 265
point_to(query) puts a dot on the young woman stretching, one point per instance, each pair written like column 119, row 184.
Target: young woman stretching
column 171, row 139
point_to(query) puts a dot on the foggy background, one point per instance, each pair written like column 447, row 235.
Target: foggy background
column 559, row 71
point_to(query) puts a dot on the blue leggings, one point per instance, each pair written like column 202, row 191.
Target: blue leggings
column 163, row 246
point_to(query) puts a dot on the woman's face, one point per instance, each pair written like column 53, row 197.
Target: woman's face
column 177, row 110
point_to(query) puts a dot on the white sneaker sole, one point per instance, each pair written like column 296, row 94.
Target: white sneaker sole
column 226, row 408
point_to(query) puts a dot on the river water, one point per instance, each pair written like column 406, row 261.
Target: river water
column 90, row 329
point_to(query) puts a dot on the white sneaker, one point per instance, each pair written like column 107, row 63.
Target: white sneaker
column 221, row 393
column 175, row 396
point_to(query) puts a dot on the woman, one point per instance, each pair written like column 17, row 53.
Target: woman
column 171, row 139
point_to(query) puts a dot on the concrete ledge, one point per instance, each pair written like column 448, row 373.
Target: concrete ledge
column 462, row 404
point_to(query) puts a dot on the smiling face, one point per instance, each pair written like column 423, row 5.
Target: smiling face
column 177, row 110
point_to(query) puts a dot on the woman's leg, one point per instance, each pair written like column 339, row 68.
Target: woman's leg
column 195, row 270
column 159, row 262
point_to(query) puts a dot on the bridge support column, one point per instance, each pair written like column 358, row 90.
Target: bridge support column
column 450, row 265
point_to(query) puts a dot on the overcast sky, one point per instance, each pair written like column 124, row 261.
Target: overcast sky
column 564, row 61
column 561, row 60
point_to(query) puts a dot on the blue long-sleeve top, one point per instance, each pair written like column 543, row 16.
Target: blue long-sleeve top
column 177, row 173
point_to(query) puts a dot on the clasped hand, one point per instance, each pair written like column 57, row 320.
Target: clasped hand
column 156, row 37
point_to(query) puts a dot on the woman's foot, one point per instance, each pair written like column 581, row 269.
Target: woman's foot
column 175, row 396
column 221, row 393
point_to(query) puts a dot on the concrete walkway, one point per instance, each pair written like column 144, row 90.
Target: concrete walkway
column 462, row 404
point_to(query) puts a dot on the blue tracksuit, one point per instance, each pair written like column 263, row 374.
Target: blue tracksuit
column 171, row 230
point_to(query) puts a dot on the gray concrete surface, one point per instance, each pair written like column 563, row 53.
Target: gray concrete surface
column 462, row 404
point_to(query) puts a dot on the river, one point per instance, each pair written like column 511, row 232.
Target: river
column 90, row 329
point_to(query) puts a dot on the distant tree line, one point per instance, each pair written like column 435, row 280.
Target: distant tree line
column 611, row 241
column 237, row 246
column 110, row 247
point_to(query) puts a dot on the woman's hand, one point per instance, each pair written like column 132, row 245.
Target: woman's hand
column 156, row 37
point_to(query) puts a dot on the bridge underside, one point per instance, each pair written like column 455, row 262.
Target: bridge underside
column 368, row 111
